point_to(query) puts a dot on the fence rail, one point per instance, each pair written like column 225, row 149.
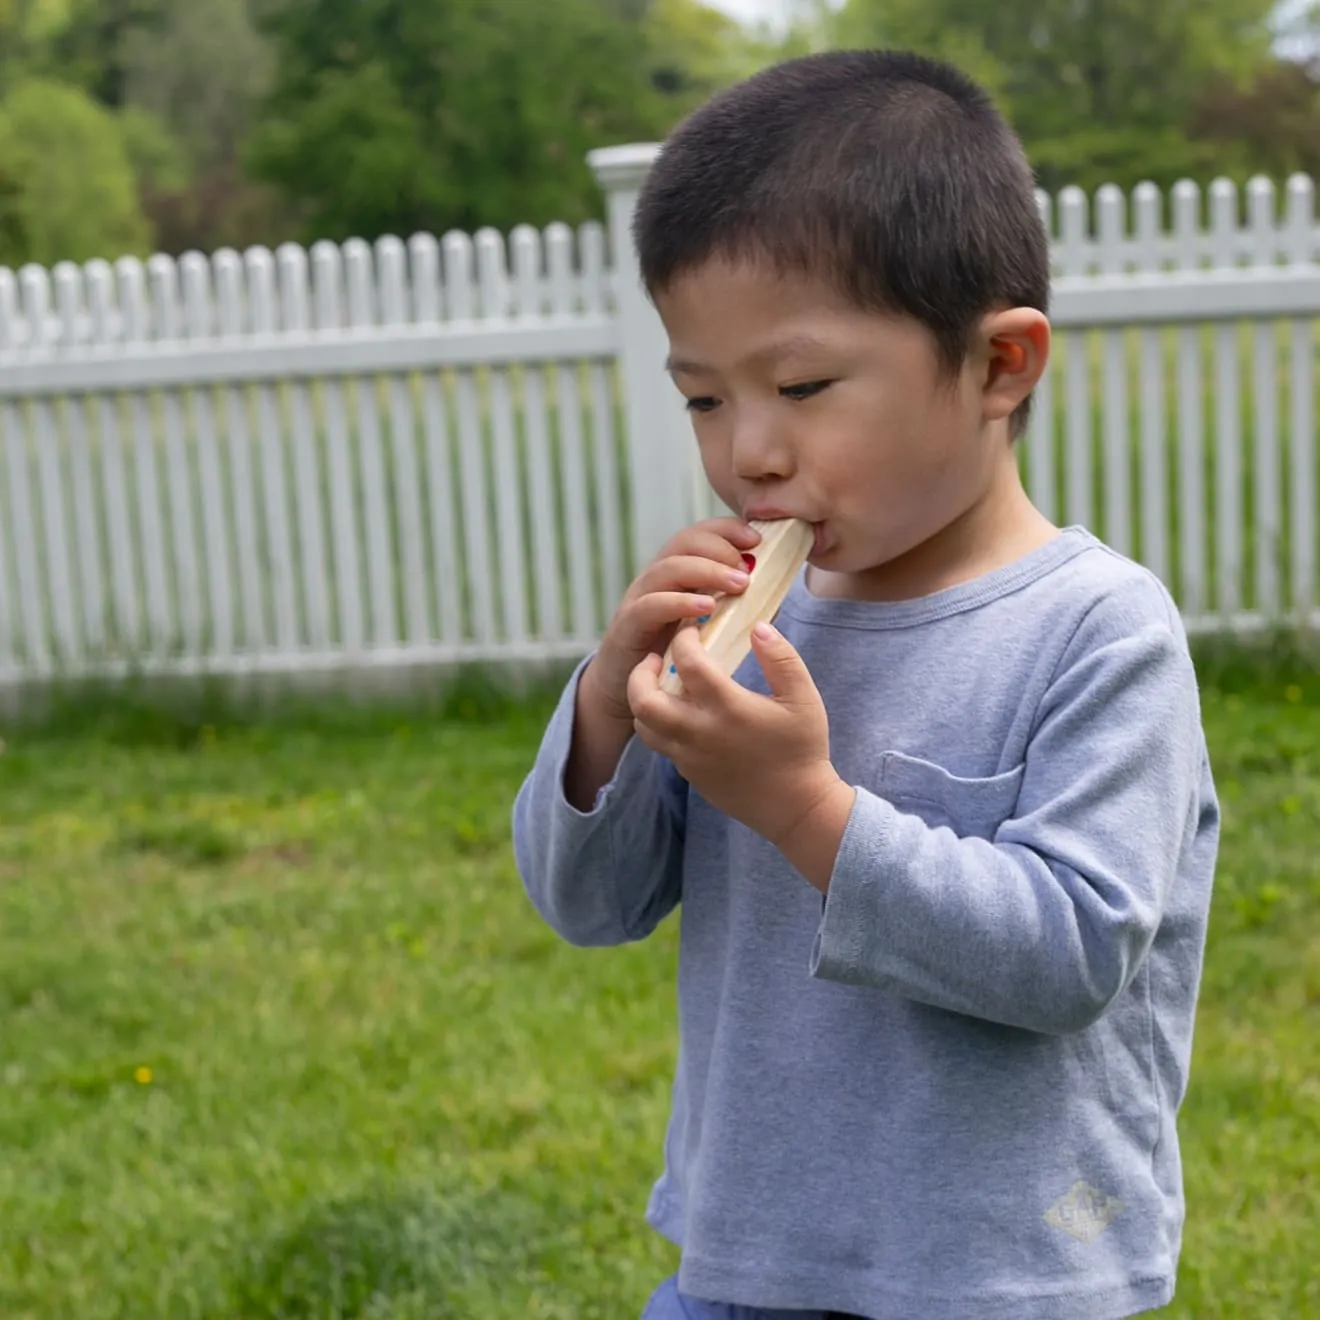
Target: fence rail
column 460, row 447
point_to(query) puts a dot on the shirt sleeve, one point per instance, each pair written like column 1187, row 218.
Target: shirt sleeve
column 1043, row 924
column 612, row 874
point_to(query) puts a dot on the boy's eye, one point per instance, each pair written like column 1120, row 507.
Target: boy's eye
column 805, row 390
column 701, row 405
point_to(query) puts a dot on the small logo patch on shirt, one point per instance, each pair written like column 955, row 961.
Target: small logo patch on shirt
column 1084, row 1212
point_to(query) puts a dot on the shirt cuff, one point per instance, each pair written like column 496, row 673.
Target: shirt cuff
column 838, row 952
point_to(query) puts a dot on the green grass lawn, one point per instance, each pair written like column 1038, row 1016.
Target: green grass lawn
column 283, row 1038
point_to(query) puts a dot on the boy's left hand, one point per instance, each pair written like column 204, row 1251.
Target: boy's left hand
column 764, row 760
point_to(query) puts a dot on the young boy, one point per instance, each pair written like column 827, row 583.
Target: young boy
column 944, row 845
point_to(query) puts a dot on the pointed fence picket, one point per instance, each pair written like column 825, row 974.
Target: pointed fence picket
column 1153, row 461
column 606, row 512
column 1191, row 417
column 1303, row 534
column 460, row 447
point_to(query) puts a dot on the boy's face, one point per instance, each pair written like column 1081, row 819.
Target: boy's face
column 803, row 405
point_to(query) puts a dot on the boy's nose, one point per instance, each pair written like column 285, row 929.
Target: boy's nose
column 758, row 454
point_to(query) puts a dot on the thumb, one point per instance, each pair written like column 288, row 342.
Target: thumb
column 784, row 669
column 650, row 663
column 643, row 678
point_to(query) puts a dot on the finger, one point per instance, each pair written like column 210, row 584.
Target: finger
column 643, row 682
column 660, row 713
column 703, row 680
column 728, row 531
column 649, row 666
column 652, row 616
column 652, row 740
column 661, row 743
column 649, row 702
column 726, row 542
column 695, row 572
column 785, row 671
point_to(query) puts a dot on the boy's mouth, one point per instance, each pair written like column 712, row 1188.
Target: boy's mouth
column 821, row 542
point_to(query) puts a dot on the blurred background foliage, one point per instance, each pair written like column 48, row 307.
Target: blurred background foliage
column 145, row 125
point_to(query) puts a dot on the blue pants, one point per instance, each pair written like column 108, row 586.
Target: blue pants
column 667, row 1303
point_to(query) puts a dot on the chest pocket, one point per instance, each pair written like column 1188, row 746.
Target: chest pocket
column 971, row 808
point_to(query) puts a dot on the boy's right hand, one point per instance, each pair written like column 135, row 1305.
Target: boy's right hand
column 678, row 584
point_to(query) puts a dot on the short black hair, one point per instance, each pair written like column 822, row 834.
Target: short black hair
column 891, row 175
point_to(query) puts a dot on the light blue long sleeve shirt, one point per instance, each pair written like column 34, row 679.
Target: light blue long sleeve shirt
column 948, row 1089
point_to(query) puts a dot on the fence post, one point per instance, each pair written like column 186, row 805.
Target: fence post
column 659, row 437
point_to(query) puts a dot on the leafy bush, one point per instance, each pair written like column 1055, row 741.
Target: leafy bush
column 67, row 184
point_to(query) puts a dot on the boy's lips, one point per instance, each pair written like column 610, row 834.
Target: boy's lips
column 768, row 513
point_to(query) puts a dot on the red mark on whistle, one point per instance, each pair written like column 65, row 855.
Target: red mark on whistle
column 749, row 560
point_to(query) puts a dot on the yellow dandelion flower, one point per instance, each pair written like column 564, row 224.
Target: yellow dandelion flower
column 142, row 1075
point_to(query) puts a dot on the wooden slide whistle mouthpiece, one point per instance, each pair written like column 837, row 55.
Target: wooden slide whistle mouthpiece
column 726, row 633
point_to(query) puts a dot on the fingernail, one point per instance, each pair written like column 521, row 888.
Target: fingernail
column 738, row 579
column 765, row 632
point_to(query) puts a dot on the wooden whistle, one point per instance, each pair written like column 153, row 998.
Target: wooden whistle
column 726, row 632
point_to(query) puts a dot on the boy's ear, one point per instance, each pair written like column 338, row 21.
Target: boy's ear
column 1015, row 352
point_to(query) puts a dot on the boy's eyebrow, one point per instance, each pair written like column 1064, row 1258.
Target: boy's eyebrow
column 768, row 354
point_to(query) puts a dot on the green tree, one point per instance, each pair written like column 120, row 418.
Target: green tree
column 695, row 50
column 26, row 26
column 1270, row 125
column 66, row 181
column 13, row 223
column 201, row 70
column 199, row 74
column 1099, row 89
column 88, row 45
column 158, row 159
column 388, row 115
column 12, row 32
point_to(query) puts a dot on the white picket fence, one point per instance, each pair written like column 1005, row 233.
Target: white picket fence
column 460, row 448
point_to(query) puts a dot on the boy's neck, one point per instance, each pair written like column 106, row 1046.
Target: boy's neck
column 997, row 530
